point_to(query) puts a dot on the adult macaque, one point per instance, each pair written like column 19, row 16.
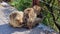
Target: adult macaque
column 16, row 19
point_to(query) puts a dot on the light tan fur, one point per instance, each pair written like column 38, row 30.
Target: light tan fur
column 16, row 19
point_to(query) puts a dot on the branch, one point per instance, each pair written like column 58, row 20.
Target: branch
column 35, row 2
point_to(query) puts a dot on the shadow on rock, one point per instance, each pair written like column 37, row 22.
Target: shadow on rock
column 7, row 29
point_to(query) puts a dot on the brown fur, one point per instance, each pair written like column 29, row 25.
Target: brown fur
column 16, row 19
column 30, row 17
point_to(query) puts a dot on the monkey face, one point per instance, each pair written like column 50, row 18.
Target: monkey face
column 37, row 9
column 16, row 19
column 19, row 18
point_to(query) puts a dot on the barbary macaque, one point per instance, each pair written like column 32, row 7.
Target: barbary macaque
column 37, row 9
column 16, row 19
column 30, row 17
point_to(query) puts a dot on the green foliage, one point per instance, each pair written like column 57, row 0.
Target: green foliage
column 48, row 20
column 21, row 4
column 48, row 17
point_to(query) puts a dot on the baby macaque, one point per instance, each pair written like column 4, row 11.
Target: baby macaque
column 37, row 9
column 30, row 17
column 16, row 19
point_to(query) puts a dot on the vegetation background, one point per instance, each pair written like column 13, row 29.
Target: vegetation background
column 46, row 11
